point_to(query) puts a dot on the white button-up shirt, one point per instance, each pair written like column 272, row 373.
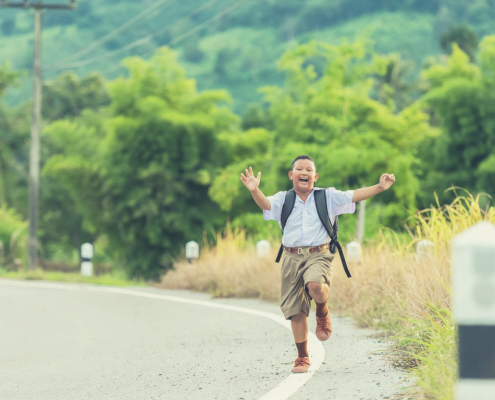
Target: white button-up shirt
column 304, row 227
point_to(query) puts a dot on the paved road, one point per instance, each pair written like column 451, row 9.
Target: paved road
column 70, row 342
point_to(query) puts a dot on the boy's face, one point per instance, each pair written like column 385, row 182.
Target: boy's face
column 303, row 175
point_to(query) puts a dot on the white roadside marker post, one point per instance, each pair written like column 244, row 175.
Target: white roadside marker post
column 86, row 256
column 361, row 220
column 263, row 248
column 192, row 251
column 353, row 250
column 425, row 249
column 473, row 258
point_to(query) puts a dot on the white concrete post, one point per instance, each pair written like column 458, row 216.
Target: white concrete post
column 353, row 250
column 425, row 249
column 360, row 224
column 263, row 248
column 86, row 256
column 473, row 275
column 192, row 251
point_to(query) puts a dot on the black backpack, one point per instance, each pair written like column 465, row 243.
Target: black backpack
column 321, row 208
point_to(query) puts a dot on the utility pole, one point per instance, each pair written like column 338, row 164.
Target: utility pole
column 34, row 157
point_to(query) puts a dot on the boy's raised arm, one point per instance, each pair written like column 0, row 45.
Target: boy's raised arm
column 252, row 184
column 386, row 180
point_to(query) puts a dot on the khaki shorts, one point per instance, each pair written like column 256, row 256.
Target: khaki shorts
column 299, row 269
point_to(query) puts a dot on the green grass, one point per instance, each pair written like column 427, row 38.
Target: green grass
column 38, row 274
column 430, row 346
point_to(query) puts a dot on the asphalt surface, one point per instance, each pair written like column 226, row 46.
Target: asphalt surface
column 86, row 344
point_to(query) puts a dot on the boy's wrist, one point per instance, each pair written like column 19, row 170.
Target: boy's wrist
column 253, row 191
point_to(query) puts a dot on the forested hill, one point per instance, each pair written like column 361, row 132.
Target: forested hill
column 231, row 44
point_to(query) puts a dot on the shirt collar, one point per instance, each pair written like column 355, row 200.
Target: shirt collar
column 310, row 197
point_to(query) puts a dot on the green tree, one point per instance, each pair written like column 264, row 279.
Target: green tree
column 255, row 117
column 14, row 132
column 139, row 172
column 394, row 88
column 13, row 226
column 332, row 117
column 67, row 95
column 63, row 225
column 464, row 37
column 192, row 52
column 461, row 96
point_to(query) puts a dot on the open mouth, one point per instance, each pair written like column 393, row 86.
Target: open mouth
column 303, row 180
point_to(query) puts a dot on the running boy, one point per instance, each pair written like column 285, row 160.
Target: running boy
column 307, row 274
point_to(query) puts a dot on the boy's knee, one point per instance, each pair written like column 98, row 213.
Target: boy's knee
column 299, row 317
column 314, row 287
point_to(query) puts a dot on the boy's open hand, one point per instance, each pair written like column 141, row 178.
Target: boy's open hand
column 250, row 181
column 386, row 180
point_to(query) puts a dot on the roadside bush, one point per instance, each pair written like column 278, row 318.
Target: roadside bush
column 13, row 237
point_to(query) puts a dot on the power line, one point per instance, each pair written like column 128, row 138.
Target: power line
column 201, row 26
column 116, row 31
column 98, row 58
column 132, row 45
column 188, row 33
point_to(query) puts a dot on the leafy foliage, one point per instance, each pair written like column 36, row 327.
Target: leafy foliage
column 146, row 163
column 243, row 45
column 13, row 236
column 137, row 170
column 464, row 37
column 461, row 96
column 331, row 116
column 68, row 95
column 14, row 130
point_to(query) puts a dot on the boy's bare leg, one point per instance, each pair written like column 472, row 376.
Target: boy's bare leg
column 299, row 324
column 319, row 292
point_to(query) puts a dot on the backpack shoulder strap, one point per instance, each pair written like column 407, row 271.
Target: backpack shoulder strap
column 333, row 231
column 322, row 210
column 290, row 200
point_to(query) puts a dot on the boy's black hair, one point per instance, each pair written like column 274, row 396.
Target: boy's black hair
column 302, row 158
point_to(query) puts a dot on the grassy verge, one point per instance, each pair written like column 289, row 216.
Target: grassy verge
column 39, row 274
column 392, row 289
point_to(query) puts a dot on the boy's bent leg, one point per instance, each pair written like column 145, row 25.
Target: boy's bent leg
column 318, row 291
column 318, row 278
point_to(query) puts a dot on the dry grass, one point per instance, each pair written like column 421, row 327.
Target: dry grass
column 387, row 284
column 230, row 269
column 391, row 289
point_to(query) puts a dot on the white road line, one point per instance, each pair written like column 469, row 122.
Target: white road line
column 282, row 391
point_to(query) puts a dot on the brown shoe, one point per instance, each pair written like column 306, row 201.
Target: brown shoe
column 301, row 365
column 323, row 327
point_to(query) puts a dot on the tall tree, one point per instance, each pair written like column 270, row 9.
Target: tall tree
column 13, row 134
column 64, row 98
column 332, row 117
column 14, row 131
column 68, row 95
column 465, row 38
column 153, row 155
column 461, row 96
column 394, row 87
